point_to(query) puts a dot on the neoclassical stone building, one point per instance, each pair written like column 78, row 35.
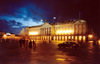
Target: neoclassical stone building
column 75, row 30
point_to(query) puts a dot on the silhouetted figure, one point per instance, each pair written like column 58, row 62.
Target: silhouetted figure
column 51, row 38
column 30, row 44
column 26, row 43
column 34, row 44
column 23, row 41
column 20, row 42
column 49, row 41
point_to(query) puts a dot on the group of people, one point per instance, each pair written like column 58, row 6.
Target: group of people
column 27, row 43
column 32, row 43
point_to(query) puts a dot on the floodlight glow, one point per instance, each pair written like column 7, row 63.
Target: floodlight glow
column 41, row 20
column 90, row 36
column 99, row 41
column 64, row 32
column 33, row 33
column 4, row 36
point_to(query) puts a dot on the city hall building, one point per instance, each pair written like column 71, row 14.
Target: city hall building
column 75, row 30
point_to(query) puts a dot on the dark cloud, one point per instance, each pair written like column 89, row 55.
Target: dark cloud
column 4, row 25
column 23, row 10
column 10, row 26
column 8, row 7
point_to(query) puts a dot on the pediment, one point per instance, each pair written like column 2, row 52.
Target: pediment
column 45, row 25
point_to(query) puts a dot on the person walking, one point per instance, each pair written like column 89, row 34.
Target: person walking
column 30, row 44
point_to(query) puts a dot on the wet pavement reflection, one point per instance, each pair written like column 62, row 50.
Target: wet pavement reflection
column 13, row 52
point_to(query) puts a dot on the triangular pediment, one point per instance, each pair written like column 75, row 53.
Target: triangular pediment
column 45, row 25
column 80, row 22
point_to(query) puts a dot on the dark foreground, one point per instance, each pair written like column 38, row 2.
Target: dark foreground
column 47, row 53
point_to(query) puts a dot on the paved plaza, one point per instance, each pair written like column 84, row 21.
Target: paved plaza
column 47, row 53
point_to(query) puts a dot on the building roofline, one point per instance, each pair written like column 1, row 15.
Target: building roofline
column 38, row 25
column 35, row 26
column 58, row 22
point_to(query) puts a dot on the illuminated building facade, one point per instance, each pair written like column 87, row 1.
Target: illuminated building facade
column 69, row 30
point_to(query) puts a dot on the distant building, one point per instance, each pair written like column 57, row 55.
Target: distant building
column 60, row 31
column 1, row 34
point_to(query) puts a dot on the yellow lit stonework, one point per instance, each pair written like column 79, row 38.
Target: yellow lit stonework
column 57, row 37
column 69, row 37
column 75, row 38
column 65, row 38
column 33, row 33
column 72, row 37
column 59, row 32
column 54, row 37
column 84, row 38
column 62, row 37
column 99, row 41
column 70, row 30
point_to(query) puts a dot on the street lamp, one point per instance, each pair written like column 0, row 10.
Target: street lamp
column 54, row 17
column 41, row 20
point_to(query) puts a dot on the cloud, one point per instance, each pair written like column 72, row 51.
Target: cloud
column 10, row 26
column 26, row 14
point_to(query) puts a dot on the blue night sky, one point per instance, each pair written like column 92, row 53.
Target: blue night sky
column 17, row 14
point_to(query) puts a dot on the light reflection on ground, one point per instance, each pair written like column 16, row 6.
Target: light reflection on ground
column 48, row 53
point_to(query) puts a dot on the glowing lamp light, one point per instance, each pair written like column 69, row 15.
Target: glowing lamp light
column 90, row 36
column 60, row 59
column 54, row 17
column 99, row 41
column 4, row 36
column 33, row 33
column 41, row 20
column 90, row 41
column 80, row 36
